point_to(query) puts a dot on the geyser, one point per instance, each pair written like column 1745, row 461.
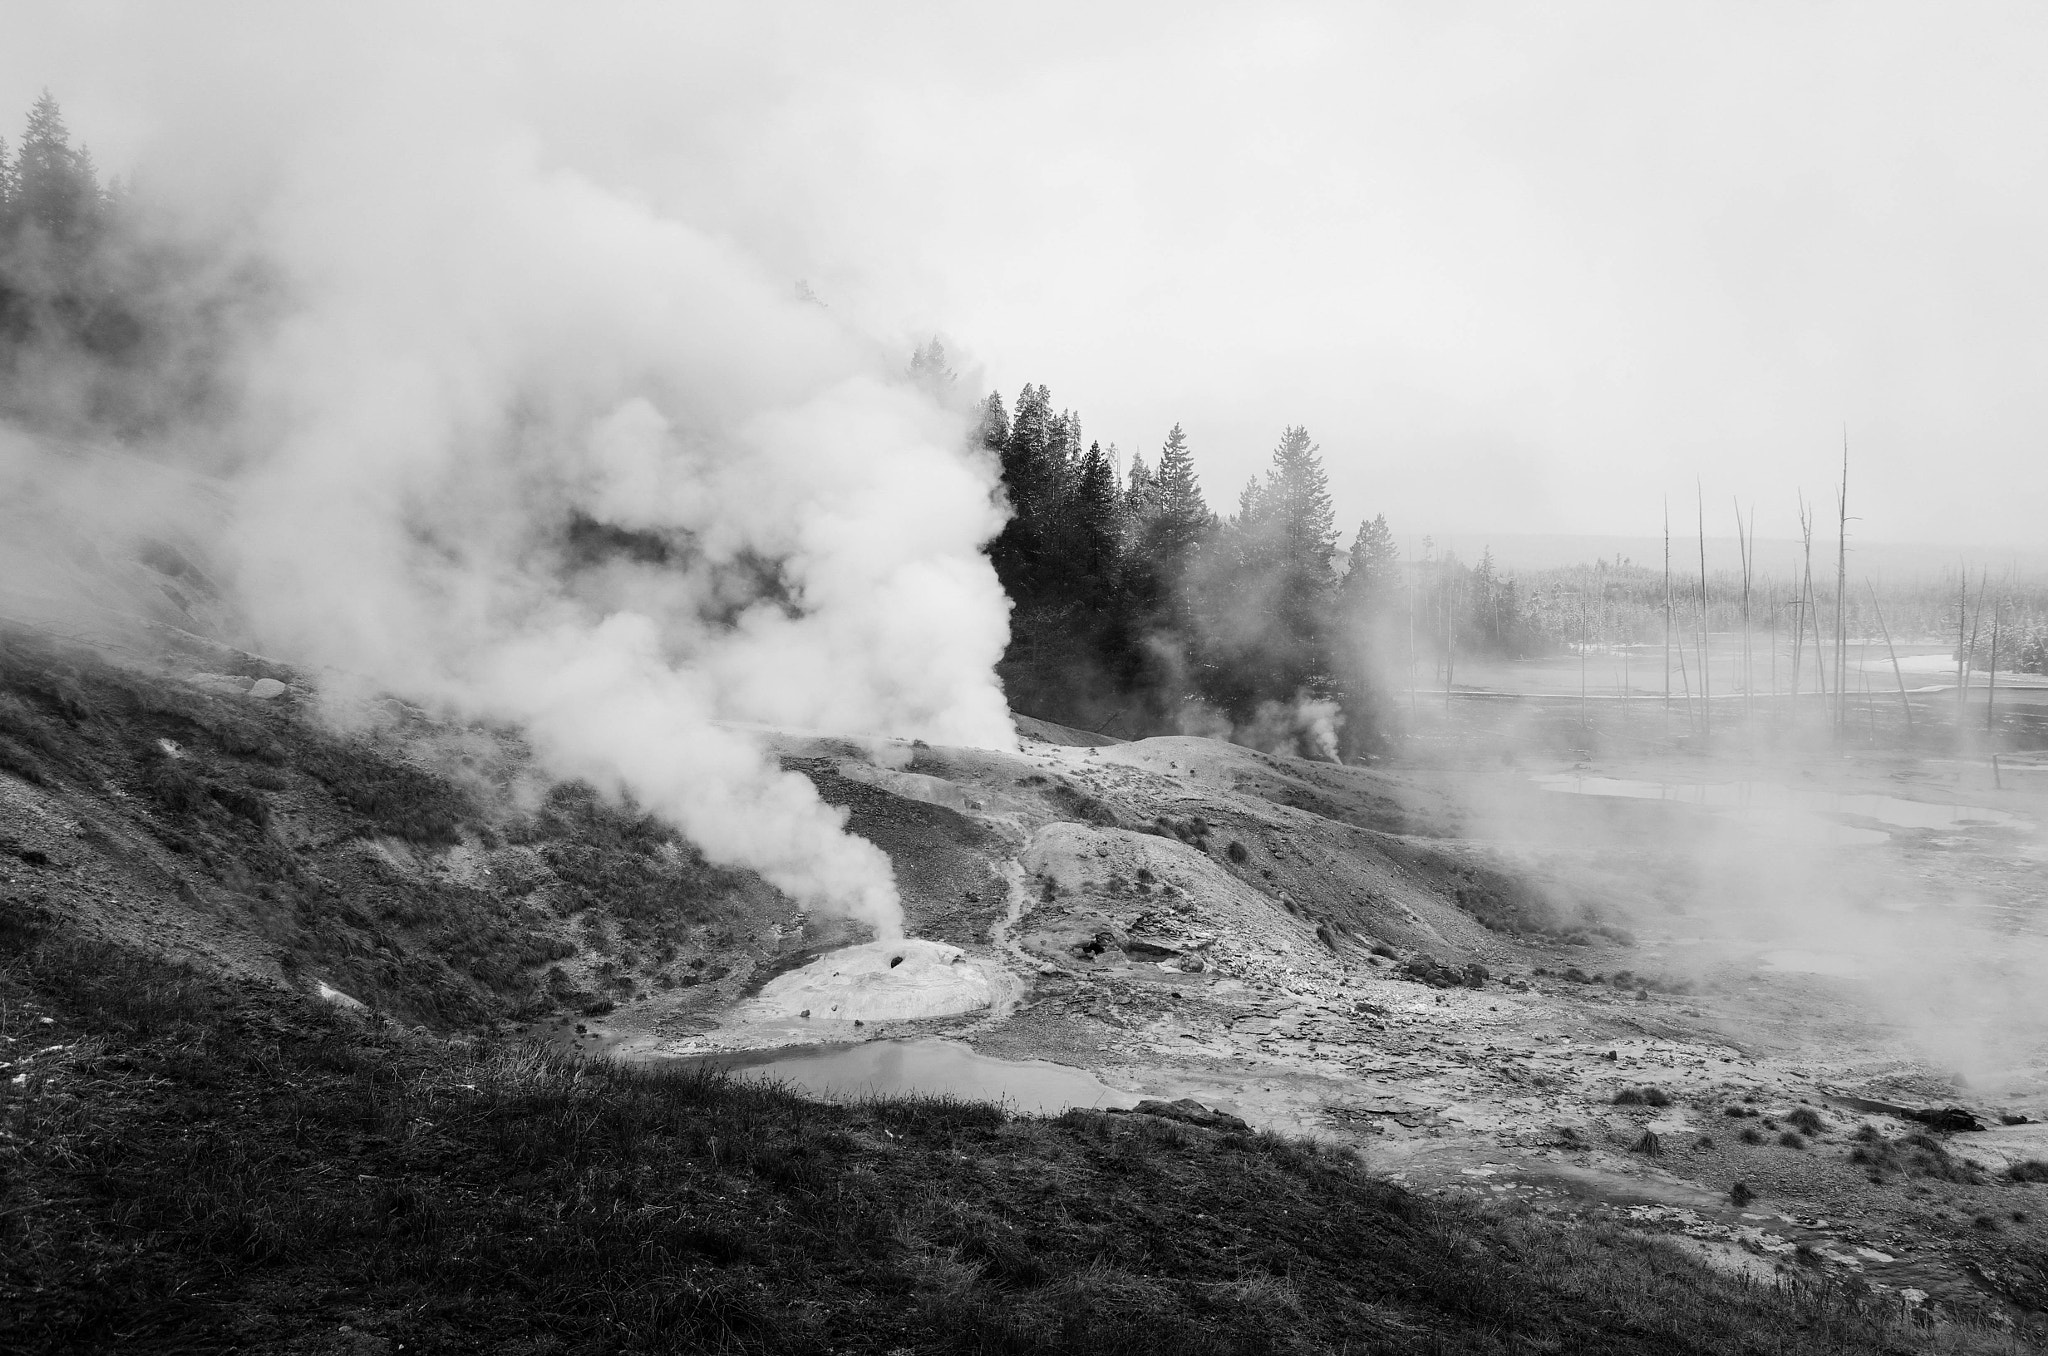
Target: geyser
column 511, row 442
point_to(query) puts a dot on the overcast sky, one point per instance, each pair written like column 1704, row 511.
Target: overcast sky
column 1518, row 268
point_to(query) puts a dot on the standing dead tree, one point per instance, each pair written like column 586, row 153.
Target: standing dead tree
column 1897, row 673
column 1809, row 610
column 1970, row 650
column 1743, row 543
column 1706, row 683
column 1962, row 646
column 1991, row 668
column 1842, row 592
column 1667, row 624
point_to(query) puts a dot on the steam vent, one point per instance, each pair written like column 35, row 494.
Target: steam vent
column 880, row 981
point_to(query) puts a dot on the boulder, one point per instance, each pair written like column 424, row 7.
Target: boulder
column 1188, row 1112
column 266, row 689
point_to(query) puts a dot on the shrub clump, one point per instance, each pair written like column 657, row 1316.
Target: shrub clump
column 1424, row 968
column 1645, row 1096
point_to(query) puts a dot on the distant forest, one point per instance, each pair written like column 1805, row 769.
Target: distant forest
column 1141, row 610
column 1138, row 607
column 109, row 324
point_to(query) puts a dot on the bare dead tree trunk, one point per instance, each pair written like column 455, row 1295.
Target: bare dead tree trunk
column 1897, row 673
column 1748, row 671
column 1706, row 680
column 1842, row 589
column 1991, row 698
column 1962, row 650
column 1450, row 640
column 1976, row 623
column 1667, row 620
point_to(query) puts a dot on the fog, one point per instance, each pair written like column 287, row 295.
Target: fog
column 1517, row 271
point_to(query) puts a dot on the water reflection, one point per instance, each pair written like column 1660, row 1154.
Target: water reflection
column 926, row 1067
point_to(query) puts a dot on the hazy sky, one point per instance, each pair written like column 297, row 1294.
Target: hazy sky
column 1518, row 268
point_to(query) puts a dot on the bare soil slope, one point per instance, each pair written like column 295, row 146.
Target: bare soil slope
column 1352, row 954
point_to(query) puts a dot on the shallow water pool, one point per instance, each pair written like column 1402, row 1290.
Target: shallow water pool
column 928, row 1067
column 1790, row 810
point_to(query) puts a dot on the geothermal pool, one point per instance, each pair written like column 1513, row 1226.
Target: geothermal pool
column 1788, row 810
column 928, row 1067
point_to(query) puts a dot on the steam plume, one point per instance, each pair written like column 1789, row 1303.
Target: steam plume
column 521, row 447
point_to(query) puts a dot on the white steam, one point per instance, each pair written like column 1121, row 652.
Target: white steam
column 523, row 448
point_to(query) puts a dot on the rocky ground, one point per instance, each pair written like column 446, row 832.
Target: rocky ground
column 1620, row 1010
column 1490, row 990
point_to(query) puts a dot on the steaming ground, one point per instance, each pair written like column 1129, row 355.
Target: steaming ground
column 1194, row 919
column 1293, row 942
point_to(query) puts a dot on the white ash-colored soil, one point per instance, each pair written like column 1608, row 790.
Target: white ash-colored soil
column 1151, row 953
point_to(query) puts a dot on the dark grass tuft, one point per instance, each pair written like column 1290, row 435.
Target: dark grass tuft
column 207, row 1169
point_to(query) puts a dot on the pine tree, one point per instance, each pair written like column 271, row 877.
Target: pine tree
column 1027, row 450
column 1365, row 608
column 55, row 190
column 994, row 431
column 1297, row 510
column 1371, row 576
column 1184, row 521
column 1093, row 529
column 1140, row 503
column 1271, row 598
column 928, row 369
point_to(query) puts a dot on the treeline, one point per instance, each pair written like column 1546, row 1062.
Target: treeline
column 1138, row 609
column 107, row 323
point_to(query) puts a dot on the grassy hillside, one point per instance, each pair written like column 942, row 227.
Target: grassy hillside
column 197, row 1155
column 195, row 1166
column 288, row 850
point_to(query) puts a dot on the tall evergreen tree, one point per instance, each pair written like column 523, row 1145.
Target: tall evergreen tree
column 1366, row 605
column 55, row 190
column 1093, row 530
column 1183, row 520
column 1297, row 511
column 1027, row 450
column 1269, row 600
column 929, row 370
column 994, row 431
column 1372, row 569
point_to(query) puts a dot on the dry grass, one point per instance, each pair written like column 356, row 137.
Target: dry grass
column 199, row 1169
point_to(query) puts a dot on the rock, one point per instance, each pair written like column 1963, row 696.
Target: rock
column 1188, row 1112
column 1424, row 968
column 346, row 1002
column 1947, row 1118
column 266, row 689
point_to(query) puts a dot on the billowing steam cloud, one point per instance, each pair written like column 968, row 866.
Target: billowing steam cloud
column 522, row 448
